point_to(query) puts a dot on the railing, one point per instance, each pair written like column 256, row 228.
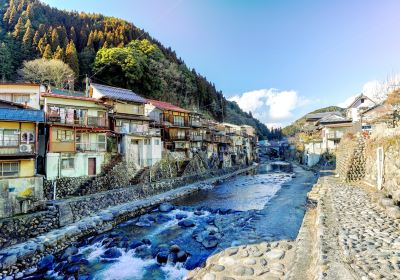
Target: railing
column 155, row 132
column 12, row 148
column 335, row 135
column 196, row 123
column 92, row 147
column 89, row 121
column 196, row 137
column 97, row 121
column 178, row 137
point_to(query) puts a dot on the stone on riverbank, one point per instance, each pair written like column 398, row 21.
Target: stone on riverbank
column 112, row 253
column 165, row 207
column 186, row 223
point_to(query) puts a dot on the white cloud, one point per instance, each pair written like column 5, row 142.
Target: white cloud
column 376, row 90
column 270, row 106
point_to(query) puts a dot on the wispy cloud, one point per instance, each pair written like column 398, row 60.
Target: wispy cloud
column 271, row 106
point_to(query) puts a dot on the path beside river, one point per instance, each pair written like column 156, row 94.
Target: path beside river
column 346, row 234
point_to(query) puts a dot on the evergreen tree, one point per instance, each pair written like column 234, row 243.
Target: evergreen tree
column 55, row 42
column 59, row 53
column 36, row 39
column 5, row 62
column 42, row 44
column 48, row 54
column 71, row 57
column 19, row 29
column 13, row 16
column 29, row 34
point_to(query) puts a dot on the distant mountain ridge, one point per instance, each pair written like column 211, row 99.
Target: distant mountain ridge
column 30, row 29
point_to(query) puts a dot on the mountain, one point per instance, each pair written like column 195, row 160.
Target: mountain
column 296, row 126
column 110, row 51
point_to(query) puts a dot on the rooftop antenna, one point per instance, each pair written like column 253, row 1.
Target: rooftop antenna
column 87, row 85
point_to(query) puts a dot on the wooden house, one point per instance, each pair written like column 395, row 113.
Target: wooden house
column 75, row 134
column 139, row 143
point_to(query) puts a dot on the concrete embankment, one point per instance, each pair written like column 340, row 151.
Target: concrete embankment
column 17, row 258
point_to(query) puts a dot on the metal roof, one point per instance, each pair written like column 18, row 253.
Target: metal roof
column 166, row 106
column 23, row 115
column 116, row 93
column 317, row 116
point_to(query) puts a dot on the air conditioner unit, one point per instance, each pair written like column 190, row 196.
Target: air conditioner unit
column 25, row 148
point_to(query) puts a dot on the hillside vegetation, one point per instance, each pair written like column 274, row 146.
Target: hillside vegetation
column 110, row 51
column 296, row 126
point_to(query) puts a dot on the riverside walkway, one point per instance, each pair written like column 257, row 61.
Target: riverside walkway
column 346, row 236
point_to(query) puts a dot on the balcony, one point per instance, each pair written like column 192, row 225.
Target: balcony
column 12, row 148
column 88, row 121
column 197, row 137
column 91, row 147
column 194, row 123
column 179, row 138
column 334, row 135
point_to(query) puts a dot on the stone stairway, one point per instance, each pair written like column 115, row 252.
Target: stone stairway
column 140, row 176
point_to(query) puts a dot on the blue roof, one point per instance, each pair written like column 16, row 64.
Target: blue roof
column 25, row 115
column 118, row 93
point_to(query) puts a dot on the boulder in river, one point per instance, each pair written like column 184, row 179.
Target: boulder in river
column 111, row 253
column 165, row 207
column 174, row 248
column 181, row 256
column 72, row 250
column 210, row 242
column 46, row 263
column 146, row 241
column 180, row 216
column 161, row 218
column 162, row 256
column 72, row 269
column 135, row 243
column 186, row 223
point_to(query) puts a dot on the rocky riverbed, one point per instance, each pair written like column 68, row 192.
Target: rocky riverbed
column 171, row 240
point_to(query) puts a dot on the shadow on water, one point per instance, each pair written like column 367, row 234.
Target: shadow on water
column 168, row 242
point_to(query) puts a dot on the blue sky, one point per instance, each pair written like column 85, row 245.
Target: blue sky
column 279, row 59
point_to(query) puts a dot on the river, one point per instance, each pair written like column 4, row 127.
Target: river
column 266, row 205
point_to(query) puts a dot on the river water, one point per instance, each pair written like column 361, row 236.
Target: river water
column 267, row 205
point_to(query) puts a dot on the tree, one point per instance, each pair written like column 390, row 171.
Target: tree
column 48, row 54
column 5, row 62
column 29, row 34
column 55, row 42
column 71, row 57
column 59, row 53
column 86, row 60
column 46, row 71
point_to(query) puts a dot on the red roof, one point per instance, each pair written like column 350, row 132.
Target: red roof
column 166, row 106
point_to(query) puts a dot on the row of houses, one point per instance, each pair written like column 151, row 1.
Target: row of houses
column 326, row 129
column 53, row 133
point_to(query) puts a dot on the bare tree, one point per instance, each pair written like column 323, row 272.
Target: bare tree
column 46, row 71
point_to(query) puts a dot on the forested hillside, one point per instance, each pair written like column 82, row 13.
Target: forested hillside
column 296, row 126
column 110, row 51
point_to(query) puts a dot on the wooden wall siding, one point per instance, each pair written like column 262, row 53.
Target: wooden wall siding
column 132, row 109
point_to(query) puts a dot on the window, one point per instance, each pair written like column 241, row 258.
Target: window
column 136, row 110
column 9, row 169
column 9, row 137
column 147, row 141
column 67, row 163
column 362, row 100
column 27, row 137
column 65, row 135
column 156, row 142
column 101, row 139
column 179, row 120
column 21, row 99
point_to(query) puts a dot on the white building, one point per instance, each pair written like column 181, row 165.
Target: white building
column 360, row 104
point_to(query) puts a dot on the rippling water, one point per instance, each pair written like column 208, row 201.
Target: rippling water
column 266, row 205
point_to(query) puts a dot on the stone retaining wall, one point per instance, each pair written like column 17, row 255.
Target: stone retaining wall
column 19, row 228
column 350, row 158
column 65, row 187
column 77, row 208
column 391, row 164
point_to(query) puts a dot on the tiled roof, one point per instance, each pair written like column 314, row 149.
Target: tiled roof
column 27, row 115
column 118, row 93
column 322, row 115
column 49, row 94
column 167, row 106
